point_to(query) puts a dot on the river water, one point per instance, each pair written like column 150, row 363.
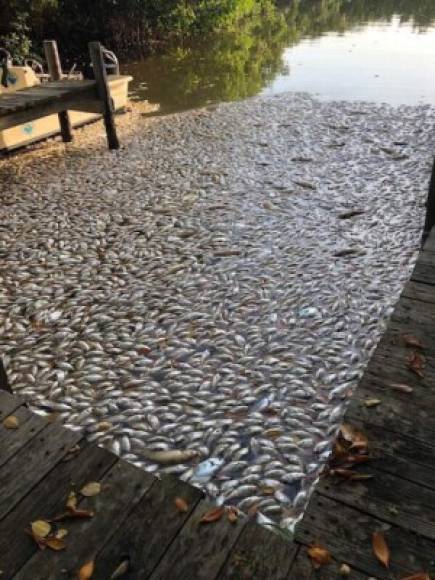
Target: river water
column 376, row 51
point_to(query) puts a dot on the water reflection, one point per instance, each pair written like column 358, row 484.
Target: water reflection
column 375, row 50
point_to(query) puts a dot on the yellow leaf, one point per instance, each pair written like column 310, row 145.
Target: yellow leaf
column 61, row 533
column 344, row 570
column 181, row 504
column 372, row 403
column 41, row 528
column 213, row 515
column 381, row 549
column 319, row 555
column 11, row 422
column 56, row 543
column 71, row 502
column 86, row 571
column 90, row 489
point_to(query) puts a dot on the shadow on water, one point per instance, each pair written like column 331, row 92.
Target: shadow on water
column 241, row 62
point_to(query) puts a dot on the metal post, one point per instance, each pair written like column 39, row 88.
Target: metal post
column 100, row 75
column 55, row 71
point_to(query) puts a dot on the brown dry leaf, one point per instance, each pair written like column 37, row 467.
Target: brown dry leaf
column 319, row 555
column 40, row 528
column 90, row 489
column 181, row 504
column 56, row 543
column 416, row 363
column 273, row 433
column 418, row 576
column 347, row 432
column 71, row 502
column 213, row 515
column 86, row 571
column 232, row 514
column 75, row 513
column 380, row 549
column 372, row 403
column 11, row 422
column 401, row 387
column 73, row 452
column 412, row 341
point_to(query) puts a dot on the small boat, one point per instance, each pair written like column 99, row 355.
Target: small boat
column 31, row 73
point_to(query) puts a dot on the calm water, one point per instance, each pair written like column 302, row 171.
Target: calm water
column 380, row 51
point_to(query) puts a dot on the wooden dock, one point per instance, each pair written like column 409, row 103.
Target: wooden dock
column 137, row 532
column 58, row 96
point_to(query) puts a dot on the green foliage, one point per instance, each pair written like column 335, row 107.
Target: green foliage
column 138, row 26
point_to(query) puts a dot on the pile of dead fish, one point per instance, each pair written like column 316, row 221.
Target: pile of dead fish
column 204, row 301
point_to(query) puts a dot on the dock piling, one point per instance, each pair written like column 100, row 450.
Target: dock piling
column 55, row 71
column 100, row 74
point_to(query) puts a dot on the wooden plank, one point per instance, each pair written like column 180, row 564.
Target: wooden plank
column 399, row 455
column 260, row 554
column 47, row 500
column 149, row 529
column 122, row 489
column 302, row 569
column 424, row 273
column 347, row 534
column 8, row 404
column 12, row 440
column 200, row 550
column 84, row 102
column 388, row 497
column 32, row 463
column 418, row 291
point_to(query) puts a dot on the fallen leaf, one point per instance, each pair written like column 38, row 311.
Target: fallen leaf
column 412, row 341
column 344, row 570
column 267, row 490
column 232, row 514
column 319, row 555
column 346, row 432
column 120, row 570
column 380, row 549
column 61, row 533
column 90, row 489
column 75, row 513
column 416, row 363
column 213, row 515
column 40, row 528
column 11, row 422
column 56, row 543
column 181, row 504
column 401, row 387
column 73, row 452
column 418, row 576
column 86, row 571
column 71, row 502
column 372, row 403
